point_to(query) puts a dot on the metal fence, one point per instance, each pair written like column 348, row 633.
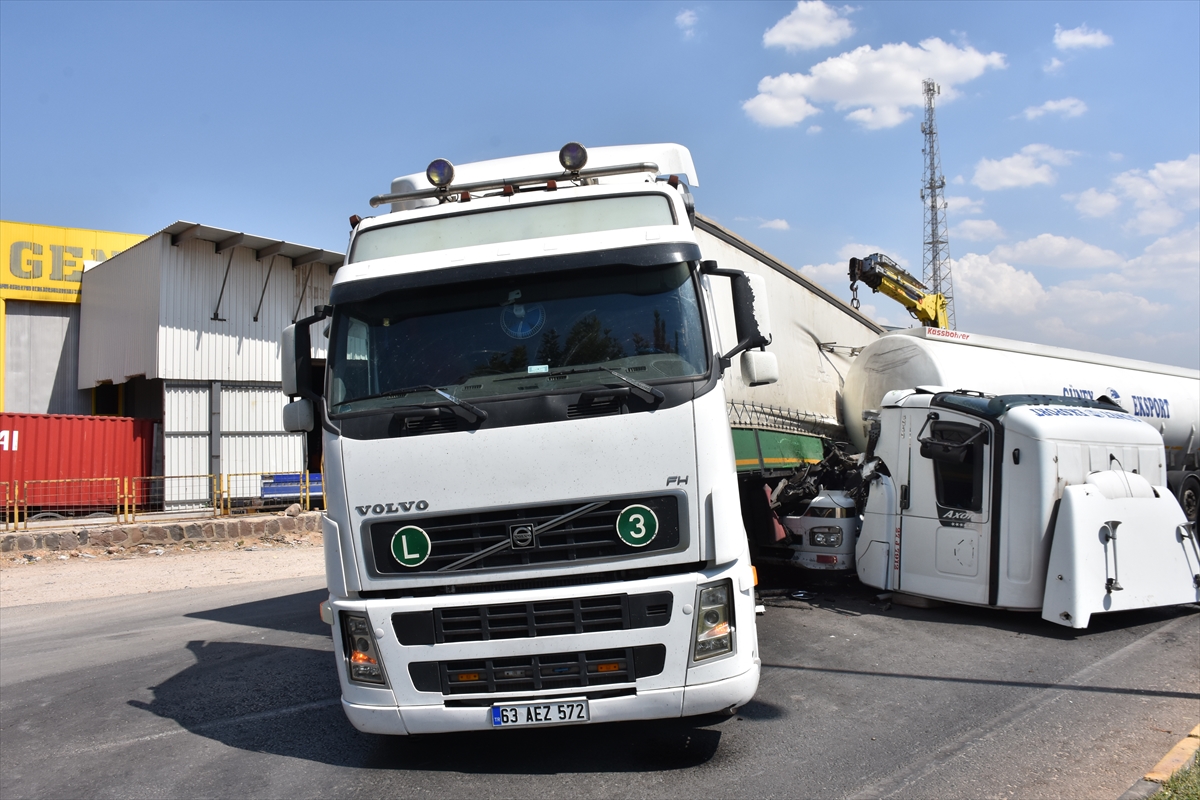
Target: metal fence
column 174, row 493
column 72, row 498
column 254, row 492
column 786, row 420
column 128, row 499
column 10, row 512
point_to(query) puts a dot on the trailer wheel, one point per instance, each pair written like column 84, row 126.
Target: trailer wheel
column 1189, row 497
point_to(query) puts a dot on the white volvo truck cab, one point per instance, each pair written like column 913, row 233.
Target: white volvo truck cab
column 532, row 507
column 1026, row 502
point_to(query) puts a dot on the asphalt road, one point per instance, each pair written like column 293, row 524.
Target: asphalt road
column 230, row 691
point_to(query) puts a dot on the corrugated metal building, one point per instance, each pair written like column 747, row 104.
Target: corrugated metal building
column 186, row 324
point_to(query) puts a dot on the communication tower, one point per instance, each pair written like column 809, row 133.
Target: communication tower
column 936, row 252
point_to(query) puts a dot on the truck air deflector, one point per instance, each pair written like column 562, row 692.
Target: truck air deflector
column 650, row 255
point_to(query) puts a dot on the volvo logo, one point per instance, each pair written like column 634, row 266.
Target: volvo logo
column 392, row 508
column 520, row 536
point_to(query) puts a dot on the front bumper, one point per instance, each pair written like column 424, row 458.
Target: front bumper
column 680, row 688
column 687, row 701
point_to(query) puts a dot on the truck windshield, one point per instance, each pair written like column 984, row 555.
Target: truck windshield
column 527, row 335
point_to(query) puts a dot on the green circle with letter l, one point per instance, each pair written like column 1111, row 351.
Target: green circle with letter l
column 637, row 526
column 411, row 546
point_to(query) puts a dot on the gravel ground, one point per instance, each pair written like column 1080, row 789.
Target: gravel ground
column 91, row 573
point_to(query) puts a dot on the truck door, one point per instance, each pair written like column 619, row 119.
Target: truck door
column 946, row 531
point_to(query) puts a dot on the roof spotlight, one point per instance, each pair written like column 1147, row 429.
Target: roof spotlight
column 573, row 156
column 440, row 172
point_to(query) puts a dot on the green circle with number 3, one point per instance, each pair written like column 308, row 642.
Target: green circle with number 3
column 637, row 526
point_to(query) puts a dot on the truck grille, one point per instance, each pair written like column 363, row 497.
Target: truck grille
column 589, row 537
column 529, row 620
column 538, row 673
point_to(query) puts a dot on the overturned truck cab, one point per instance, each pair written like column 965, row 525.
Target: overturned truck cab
column 1023, row 502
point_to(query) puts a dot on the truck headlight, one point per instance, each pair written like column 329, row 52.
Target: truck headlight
column 362, row 654
column 714, row 621
column 826, row 537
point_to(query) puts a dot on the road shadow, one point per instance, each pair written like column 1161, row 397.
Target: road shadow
column 847, row 596
column 294, row 613
column 286, row 701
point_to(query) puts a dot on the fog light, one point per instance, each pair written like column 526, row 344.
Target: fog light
column 714, row 622
column 362, row 654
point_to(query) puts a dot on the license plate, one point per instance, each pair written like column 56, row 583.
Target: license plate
column 557, row 712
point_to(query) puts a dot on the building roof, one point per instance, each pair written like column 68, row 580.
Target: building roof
column 262, row 246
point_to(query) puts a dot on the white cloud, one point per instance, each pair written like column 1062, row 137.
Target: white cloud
column 686, row 22
column 1029, row 167
column 1091, row 203
column 1160, row 196
column 1179, row 177
column 956, row 204
column 1068, row 107
column 811, row 24
column 977, row 230
column 1049, row 250
column 775, row 225
column 980, row 284
column 1080, row 37
column 1116, row 156
column 876, row 86
column 1172, row 261
column 814, row 129
column 957, row 180
column 834, row 276
column 993, row 295
column 1053, row 65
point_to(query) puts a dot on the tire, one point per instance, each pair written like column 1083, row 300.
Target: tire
column 1189, row 497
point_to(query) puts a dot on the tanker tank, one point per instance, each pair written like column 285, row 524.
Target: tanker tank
column 1167, row 397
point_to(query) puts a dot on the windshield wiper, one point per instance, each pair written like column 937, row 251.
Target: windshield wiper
column 655, row 394
column 478, row 412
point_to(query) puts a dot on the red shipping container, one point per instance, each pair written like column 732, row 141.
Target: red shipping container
column 59, row 460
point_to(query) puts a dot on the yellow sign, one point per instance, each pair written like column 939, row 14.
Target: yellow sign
column 44, row 262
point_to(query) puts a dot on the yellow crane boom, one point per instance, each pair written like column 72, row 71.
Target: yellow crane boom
column 886, row 276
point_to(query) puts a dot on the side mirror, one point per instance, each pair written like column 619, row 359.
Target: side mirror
column 295, row 353
column 759, row 367
column 751, row 314
column 298, row 416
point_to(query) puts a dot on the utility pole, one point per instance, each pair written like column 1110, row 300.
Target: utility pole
column 936, row 251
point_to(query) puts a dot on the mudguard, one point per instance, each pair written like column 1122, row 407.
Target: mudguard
column 1152, row 560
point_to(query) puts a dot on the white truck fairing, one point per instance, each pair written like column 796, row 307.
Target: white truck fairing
column 1002, row 501
column 532, row 506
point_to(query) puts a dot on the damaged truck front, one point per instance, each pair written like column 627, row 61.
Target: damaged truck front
column 532, row 506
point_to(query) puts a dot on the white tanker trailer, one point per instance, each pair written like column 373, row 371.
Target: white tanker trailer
column 1166, row 397
column 1004, row 474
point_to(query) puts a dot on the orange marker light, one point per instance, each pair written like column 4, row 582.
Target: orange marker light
column 754, row 572
column 613, row 667
column 467, row 676
column 359, row 657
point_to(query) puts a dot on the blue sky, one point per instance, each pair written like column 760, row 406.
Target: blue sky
column 1070, row 132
